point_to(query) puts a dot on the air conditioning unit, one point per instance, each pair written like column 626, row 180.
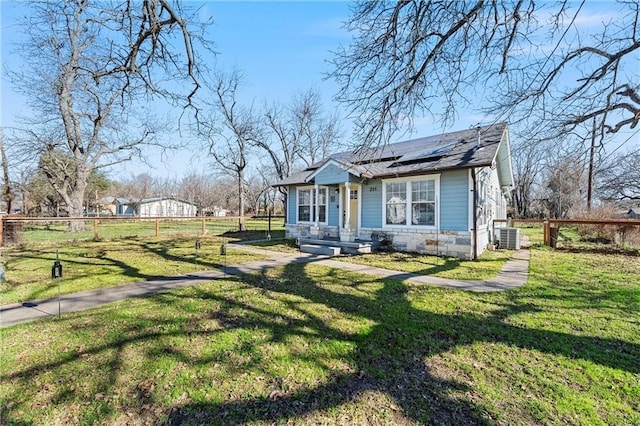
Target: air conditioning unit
column 509, row 238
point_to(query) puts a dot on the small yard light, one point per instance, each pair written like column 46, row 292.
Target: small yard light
column 223, row 250
column 198, row 246
column 56, row 269
column 56, row 273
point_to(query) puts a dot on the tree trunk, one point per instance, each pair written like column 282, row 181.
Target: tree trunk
column 5, row 171
column 74, row 201
column 240, row 203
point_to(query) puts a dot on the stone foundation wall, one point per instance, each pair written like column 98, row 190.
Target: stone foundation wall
column 445, row 243
column 310, row 231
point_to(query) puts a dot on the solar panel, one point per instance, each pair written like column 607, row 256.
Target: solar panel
column 426, row 153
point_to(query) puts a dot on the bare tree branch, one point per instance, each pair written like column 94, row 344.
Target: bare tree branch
column 91, row 65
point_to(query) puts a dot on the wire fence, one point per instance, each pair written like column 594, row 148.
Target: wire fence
column 623, row 234
column 43, row 230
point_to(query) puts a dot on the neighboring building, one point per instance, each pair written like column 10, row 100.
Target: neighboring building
column 633, row 213
column 150, row 207
column 117, row 206
column 436, row 195
column 216, row 211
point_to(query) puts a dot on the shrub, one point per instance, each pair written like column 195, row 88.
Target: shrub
column 12, row 232
column 607, row 234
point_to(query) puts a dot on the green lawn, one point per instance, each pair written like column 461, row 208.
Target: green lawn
column 486, row 266
column 56, row 232
column 306, row 344
column 89, row 265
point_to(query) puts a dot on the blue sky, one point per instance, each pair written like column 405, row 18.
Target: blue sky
column 283, row 49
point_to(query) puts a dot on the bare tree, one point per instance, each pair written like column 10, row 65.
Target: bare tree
column 619, row 178
column 527, row 167
column 7, row 193
column 298, row 133
column 260, row 193
column 138, row 187
column 315, row 131
column 39, row 198
column 240, row 129
column 283, row 145
column 200, row 189
column 562, row 186
column 89, row 64
column 415, row 58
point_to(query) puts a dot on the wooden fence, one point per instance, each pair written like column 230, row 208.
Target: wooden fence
column 550, row 226
column 153, row 226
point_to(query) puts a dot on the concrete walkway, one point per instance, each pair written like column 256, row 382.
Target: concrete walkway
column 514, row 274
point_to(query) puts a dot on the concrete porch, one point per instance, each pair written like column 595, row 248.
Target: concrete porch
column 332, row 247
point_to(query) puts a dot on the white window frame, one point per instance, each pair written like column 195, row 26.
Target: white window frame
column 312, row 217
column 483, row 197
column 409, row 201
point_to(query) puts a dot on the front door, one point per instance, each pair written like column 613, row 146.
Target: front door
column 354, row 196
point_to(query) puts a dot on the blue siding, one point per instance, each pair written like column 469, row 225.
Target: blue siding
column 371, row 200
column 291, row 204
column 331, row 175
column 454, row 201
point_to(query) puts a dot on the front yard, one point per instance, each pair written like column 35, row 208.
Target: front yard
column 306, row 344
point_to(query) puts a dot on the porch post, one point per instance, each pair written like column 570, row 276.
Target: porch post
column 347, row 200
column 340, row 207
column 316, row 204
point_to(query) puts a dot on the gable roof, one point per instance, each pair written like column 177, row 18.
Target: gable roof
column 354, row 169
column 156, row 199
column 127, row 201
column 463, row 149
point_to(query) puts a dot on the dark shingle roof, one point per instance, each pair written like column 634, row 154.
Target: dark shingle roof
column 455, row 150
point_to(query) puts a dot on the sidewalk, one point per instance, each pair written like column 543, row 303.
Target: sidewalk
column 514, row 274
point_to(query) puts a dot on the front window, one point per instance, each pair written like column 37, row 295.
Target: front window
column 307, row 205
column 423, row 203
column 322, row 205
column 396, row 207
column 410, row 202
column 304, row 205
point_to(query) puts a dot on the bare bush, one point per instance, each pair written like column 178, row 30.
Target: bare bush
column 620, row 235
column 12, row 232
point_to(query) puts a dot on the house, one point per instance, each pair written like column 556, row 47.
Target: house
column 117, row 206
column 436, row 195
column 633, row 213
column 165, row 207
column 150, row 207
column 216, row 211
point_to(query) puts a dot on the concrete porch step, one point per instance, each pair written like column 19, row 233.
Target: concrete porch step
column 320, row 249
column 346, row 247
